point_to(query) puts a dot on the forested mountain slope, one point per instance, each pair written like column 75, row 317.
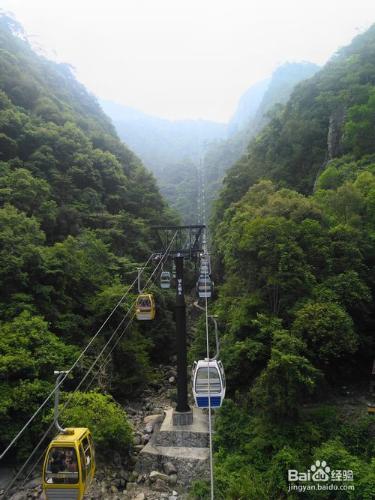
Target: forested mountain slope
column 323, row 119
column 294, row 248
column 76, row 208
column 252, row 115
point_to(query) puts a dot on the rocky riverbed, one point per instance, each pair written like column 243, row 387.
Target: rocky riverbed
column 118, row 480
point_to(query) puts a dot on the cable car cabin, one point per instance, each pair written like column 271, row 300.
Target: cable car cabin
column 204, row 266
column 165, row 279
column 145, row 307
column 69, row 465
column 208, row 378
column 204, row 269
column 204, row 286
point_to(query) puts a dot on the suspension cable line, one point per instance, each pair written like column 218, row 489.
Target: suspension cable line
column 213, row 318
column 61, row 412
column 202, row 216
column 57, row 386
column 209, row 396
column 70, row 397
column 160, row 263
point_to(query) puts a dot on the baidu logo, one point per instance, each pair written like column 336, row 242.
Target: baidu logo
column 319, row 472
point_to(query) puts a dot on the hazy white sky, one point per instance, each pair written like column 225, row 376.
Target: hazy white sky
column 187, row 58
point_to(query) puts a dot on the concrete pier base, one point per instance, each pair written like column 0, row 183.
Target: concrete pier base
column 182, row 418
column 184, row 445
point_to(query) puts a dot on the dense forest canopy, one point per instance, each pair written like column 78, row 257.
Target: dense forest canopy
column 76, row 208
column 293, row 235
column 333, row 106
column 253, row 113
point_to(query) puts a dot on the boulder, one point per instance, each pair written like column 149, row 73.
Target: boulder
column 160, row 485
column 133, row 476
column 149, row 428
column 172, row 481
column 131, row 486
column 137, row 439
column 155, row 475
column 145, row 438
column 169, row 468
column 124, row 474
column 153, row 419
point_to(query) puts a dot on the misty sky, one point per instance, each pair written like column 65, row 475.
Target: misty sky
column 186, row 58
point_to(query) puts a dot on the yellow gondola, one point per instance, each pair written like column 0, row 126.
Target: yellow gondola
column 145, row 307
column 69, row 465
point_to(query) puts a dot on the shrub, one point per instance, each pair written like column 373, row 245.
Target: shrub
column 106, row 420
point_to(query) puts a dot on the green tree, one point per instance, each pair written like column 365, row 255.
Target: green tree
column 360, row 126
column 327, row 330
column 29, row 350
column 338, row 458
column 20, row 240
column 27, row 193
column 286, row 381
column 73, row 271
column 106, row 420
